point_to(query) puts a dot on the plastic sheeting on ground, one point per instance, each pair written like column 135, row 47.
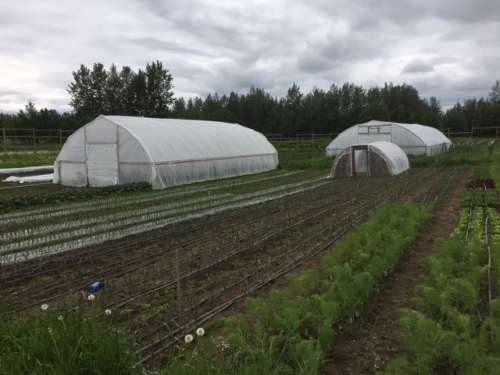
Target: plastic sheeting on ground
column 26, row 179
column 27, row 169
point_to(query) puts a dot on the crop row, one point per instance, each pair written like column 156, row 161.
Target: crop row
column 189, row 231
column 123, row 201
column 455, row 326
column 289, row 331
column 143, row 220
column 230, row 239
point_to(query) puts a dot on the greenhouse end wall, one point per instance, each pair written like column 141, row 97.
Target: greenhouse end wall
column 118, row 150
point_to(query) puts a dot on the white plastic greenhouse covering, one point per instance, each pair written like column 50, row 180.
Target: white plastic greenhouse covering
column 394, row 157
column 414, row 139
column 115, row 150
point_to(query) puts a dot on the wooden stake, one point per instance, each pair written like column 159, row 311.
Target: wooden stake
column 178, row 280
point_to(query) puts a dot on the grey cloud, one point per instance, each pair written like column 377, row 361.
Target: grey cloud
column 418, row 66
column 229, row 46
column 153, row 43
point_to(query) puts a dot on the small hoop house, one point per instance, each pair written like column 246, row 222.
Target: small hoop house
column 114, row 150
column 373, row 159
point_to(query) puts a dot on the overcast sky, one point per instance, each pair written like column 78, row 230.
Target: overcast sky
column 446, row 48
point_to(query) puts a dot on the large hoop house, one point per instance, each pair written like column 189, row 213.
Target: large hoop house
column 414, row 139
column 115, row 150
column 374, row 159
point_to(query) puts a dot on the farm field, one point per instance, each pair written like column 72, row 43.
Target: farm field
column 162, row 283
column 177, row 259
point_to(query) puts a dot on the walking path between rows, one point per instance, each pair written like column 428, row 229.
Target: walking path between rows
column 367, row 346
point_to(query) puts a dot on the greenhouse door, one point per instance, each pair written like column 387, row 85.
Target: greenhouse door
column 102, row 164
column 360, row 161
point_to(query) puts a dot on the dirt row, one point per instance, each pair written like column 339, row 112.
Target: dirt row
column 367, row 346
column 219, row 257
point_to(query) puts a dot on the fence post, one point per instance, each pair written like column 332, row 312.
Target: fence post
column 4, row 140
column 60, row 136
column 178, row 280
column 34, row 141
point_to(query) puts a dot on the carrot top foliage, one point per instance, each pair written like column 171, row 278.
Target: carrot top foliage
column 289, row 331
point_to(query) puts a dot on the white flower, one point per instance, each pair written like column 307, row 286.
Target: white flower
column 91, row 297
column 107, row 312
column 60, row 318
column 200, row 331
column 44, row 307
column 188, row 339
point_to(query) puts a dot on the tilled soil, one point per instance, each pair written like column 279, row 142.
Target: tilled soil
column 375, row 338
column 245, row 246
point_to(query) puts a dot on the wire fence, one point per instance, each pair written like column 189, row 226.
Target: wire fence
column 38, row 140
column 33, row 140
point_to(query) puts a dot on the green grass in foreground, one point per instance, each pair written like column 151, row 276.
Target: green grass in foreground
column 62, row 343
column 290, row 331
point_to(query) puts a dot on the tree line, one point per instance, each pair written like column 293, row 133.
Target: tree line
column 149, row 92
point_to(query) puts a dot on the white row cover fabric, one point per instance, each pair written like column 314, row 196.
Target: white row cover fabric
column 394, row 157
column 38, row 178
column 27, row 169
column 164, row 152
column 414, row 139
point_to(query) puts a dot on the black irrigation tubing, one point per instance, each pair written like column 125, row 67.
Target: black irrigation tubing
column 232, row 254
column 277, row 258
column 172, row 283
column 403, row 182
column 228, row 256
column 42, row 262
column 225, row 258
column 171, row 338
column 168, row 195
column 28, row 272
column 176, row 335
column 51, row 295
column 175, row 230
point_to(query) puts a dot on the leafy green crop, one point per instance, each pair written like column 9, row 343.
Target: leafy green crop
column 289, row 332
column 454, row 328
column 70, row 195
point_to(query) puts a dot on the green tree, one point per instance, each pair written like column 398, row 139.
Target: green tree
column 114, row 91
column 159, row 94
column 495, row 93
